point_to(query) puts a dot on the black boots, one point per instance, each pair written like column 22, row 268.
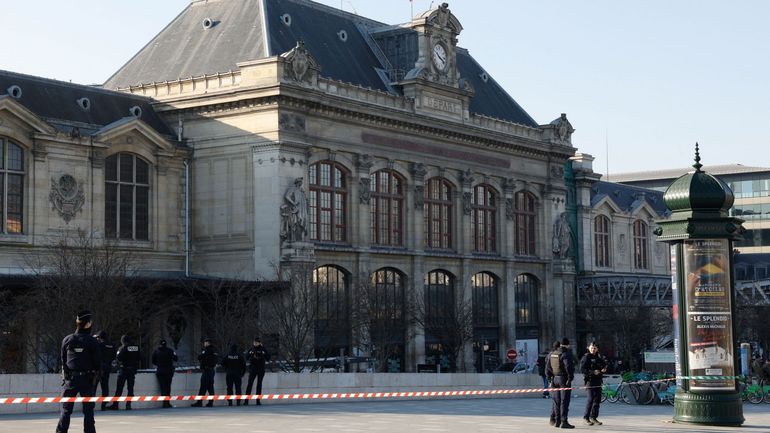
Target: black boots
column 128, row 405
column 566, row 424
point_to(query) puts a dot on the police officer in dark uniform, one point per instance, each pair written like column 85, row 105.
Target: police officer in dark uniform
column 108, row 355
column 81, row 359
column 129, row 359
column 560, row 370
column 235, row 367
column 593, row 366
column 208, row 360
column 257, row 357
column 163, row 358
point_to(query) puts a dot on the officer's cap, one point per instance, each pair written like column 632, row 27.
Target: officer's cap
column 257, row 339
column 565, row 341
column 163, row 343
column 207, row 340
column 84, row 316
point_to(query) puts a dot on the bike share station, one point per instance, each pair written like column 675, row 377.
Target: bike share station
column 701, row 235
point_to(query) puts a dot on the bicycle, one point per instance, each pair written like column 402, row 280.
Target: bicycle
column 756, row 392
column 610, row 392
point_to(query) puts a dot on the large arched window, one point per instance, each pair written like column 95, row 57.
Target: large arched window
column 330, row 285
column 387, row 208
column 602, row 241
column 526, row 300
column 640, row 245
column 383, row 303
column 328, row 198
column 439, row 297
column 438, row 214
column 11, row 187
column 484, row 219
column 127, row 197
column 486, row 325
column 387, row 297
column 525, row 215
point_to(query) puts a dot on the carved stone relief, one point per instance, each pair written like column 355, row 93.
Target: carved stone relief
column 622, row 245
column 467, row 203
column 419, row 196
column 67, row 196
column 509, row 209
column 291, row 122
column 299, row 62
column 364, row 190
column 294, row 213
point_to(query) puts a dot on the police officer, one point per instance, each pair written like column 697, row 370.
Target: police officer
column 235, row 366
column 108, row 355
column 257, row 357
column 593, row 366
column 560, row 370
column 129, row 359
column 163, row 358
column 208, row 361
column 81, row 359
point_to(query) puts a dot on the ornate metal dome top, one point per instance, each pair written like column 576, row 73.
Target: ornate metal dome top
column 699, row 192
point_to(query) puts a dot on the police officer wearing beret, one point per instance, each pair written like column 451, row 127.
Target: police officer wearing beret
column 208, row 361
column 560, row 371
column 108, row 355
column 129, row 359
column 235, row 368
column 163, row 359
column 81, row 359
column 257, row 357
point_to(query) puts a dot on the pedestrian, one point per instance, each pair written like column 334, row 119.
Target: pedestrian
column 208, row 361
column 593, row 366
column 81, row 359
column 560, row 371
column 163, row 358
column 541, row 371
column 555, row 346
column 108, row 355
column 129, row 358
column 257, row 357
column 235, row 368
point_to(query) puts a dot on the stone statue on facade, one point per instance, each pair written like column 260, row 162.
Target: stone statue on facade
column 294, row 214
column 562, row 237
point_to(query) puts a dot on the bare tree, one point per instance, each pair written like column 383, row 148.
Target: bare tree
column 380, row 316
column 78, row 272
column 449, row 322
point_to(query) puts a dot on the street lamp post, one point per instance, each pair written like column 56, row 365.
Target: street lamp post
column 700, row 233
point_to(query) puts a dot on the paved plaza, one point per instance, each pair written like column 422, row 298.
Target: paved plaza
column 469, row 415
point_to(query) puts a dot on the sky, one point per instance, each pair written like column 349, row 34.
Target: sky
column 640, row 81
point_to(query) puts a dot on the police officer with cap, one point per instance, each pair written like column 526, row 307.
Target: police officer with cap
column 129, row 359
column 235, row 368
column 560, row 371
column 108, row 355
column 593, row 366
column 81, row 359
column 163, row 358
column 208, row 361
column 257, row 357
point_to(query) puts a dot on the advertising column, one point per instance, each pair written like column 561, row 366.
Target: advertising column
column 708, row 316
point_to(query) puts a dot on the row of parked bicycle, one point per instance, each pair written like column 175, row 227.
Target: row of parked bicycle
column 644, row 388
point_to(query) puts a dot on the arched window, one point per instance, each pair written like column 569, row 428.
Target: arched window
column 485, row 307
column 484, row 219
column 328, row 202
column 127, row 197
column 439, row 297
column 602, row 241
column 11, row 187
column 331, row 317
column 525, row 215
column 640, row 244
column 387, row 297
column 384, row 318
column 387, row 205
column 438, row 214
column 526, row 300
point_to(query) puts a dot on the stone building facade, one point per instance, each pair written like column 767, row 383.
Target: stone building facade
column 378, row 154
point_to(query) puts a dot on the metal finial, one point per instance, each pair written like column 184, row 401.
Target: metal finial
column 697, row 164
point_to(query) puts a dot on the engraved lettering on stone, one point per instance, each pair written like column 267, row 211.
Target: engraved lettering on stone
column 294, row 213
column 440, row 104
column 67, row 196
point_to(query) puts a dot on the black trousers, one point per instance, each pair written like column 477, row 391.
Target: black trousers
column 83, row 385
column 255, row 374
column 126, row 376
column 164, row 381
column 594, row 400
column 561, row 399
column 234, row 382
column 207, row 382
column 104, row 382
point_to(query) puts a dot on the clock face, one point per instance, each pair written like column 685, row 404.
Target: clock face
column 439, row 57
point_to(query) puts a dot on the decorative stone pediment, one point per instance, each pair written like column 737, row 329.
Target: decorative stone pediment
column 443, row 18
column 21, row 115
column 299, row 65
column 131, row 131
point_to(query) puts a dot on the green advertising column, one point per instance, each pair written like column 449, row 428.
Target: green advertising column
column 701, row 234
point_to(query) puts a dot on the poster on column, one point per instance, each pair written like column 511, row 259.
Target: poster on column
column 709, row 319
column 675, row 316
column 527, row 351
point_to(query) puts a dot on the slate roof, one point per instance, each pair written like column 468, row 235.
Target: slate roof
column 253, row 29
column 56, row 103
column 625, row 196
column 716, row 170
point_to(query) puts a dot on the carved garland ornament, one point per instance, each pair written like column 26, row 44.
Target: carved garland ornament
column 67, row 196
